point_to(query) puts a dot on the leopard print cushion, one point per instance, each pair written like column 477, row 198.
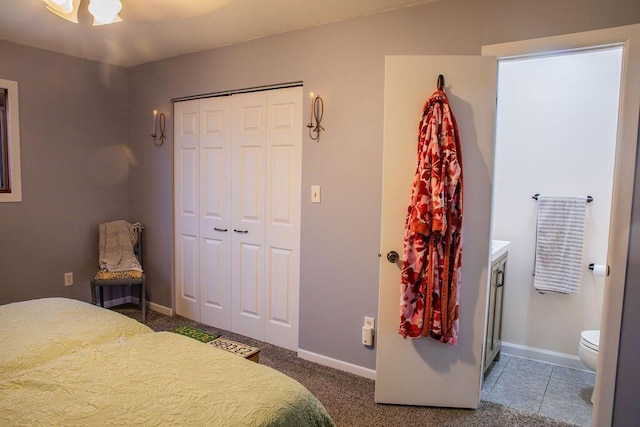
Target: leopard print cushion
column 110, row 275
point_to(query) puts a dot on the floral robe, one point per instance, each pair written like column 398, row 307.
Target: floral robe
column 432, row 251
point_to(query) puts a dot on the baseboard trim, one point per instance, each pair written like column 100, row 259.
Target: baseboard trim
column 542, row 355
column 167, row 311
column 116, row 302
column 337, row 364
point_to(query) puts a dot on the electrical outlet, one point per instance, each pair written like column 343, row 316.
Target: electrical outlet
column 68, row 279
column 369, row 322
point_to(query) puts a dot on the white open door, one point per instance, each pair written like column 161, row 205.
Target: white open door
column 424, row 371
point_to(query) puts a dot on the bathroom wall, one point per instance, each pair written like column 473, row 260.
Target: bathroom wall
column 555, row 135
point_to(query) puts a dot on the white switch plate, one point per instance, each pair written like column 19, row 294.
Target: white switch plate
column 315, row 194
column 369, row 322
column 68, row 279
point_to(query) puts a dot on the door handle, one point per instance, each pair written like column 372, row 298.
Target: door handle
column 241, row 231
column 500, row 279
column 224, row 230
column 393, row 257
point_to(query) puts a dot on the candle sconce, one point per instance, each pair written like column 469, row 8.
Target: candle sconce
column 317, row 110
column 158, row 124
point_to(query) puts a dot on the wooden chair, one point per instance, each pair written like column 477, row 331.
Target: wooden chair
column 124, row 278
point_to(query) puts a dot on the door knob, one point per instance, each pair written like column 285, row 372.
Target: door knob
column 393, row 257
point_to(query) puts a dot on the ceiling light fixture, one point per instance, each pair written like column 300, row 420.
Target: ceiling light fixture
column 103, row 11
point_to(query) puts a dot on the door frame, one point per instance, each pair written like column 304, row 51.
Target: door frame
column 623, row 186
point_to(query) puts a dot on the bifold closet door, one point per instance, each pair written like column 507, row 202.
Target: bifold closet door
column 282, row 228
column 215, row 211
column 237, row 166
column 248, row 213
column 267, row 131
column 203, row 210
column 187, row 208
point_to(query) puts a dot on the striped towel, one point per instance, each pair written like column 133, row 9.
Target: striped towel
column 559, row 243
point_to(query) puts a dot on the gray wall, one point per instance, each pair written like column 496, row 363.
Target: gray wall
column 73, row 116
column 72, row 129
column 343, row 62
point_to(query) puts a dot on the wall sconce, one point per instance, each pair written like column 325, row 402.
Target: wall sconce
column 316, row 112
column 158, row 122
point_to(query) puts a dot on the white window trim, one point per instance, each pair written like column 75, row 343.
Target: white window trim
column 13, row 134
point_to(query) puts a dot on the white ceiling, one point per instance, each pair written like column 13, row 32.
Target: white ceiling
column 156, row 29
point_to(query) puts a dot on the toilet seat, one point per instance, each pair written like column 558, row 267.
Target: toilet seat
column 590, row 339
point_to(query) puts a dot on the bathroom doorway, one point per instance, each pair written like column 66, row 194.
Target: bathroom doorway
column 556, row 129
column 615, row 251
column 556, row 132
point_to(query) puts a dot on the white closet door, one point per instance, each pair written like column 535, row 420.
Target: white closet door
column 248, row 208
column 186, row 208
column 282, row 225
column 215, row 211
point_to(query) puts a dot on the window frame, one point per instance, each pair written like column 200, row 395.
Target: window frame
column 14, row 194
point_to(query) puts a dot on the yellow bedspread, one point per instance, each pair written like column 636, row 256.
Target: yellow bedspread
column 37, row 331
column 158, row 378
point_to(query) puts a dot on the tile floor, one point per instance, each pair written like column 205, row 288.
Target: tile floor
column 541, row 388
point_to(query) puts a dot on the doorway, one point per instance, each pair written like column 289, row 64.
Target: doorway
column 556, row 130
column 623, row 187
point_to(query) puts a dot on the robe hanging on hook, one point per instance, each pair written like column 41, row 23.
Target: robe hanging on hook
column 440, row 83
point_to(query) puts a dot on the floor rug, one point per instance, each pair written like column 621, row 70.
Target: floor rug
column 194, row 333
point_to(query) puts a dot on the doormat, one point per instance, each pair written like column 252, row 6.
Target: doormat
column 246, row 351
column 194, row 333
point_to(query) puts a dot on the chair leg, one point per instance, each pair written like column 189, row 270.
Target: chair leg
column 143, row 300
column 93, row 292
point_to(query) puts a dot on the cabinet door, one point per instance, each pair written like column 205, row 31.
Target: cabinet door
column 187, row 208
column 501, row 275
column 215, row 211
column 489, row 353
column 493, row 336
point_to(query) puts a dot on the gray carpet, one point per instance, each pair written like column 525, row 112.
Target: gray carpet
column 349, row 399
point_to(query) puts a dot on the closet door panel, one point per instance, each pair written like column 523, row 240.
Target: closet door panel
column 250, row 185
column 248, row 207
column 250, row 280
column 282, row 226
column 188, row 272
column 215, row 211
column 187, row 208
column 279, row 287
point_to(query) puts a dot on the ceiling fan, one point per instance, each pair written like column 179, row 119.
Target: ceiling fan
column 103, row 11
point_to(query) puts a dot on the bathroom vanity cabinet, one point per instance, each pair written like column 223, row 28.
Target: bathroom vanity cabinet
column 494, row 314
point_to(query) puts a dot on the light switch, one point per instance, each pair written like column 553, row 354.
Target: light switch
column 315, row 194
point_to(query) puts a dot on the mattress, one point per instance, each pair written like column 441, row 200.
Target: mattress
column 37, row 331
column 144, row 378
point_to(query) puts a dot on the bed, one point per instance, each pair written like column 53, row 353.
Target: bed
column 66, row 362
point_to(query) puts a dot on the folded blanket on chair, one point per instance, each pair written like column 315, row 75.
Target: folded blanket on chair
column 116, row 247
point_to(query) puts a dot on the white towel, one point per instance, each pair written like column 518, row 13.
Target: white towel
column 116, row 241
column 559, row 243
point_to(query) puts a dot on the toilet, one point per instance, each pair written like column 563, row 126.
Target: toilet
column 588, row 350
